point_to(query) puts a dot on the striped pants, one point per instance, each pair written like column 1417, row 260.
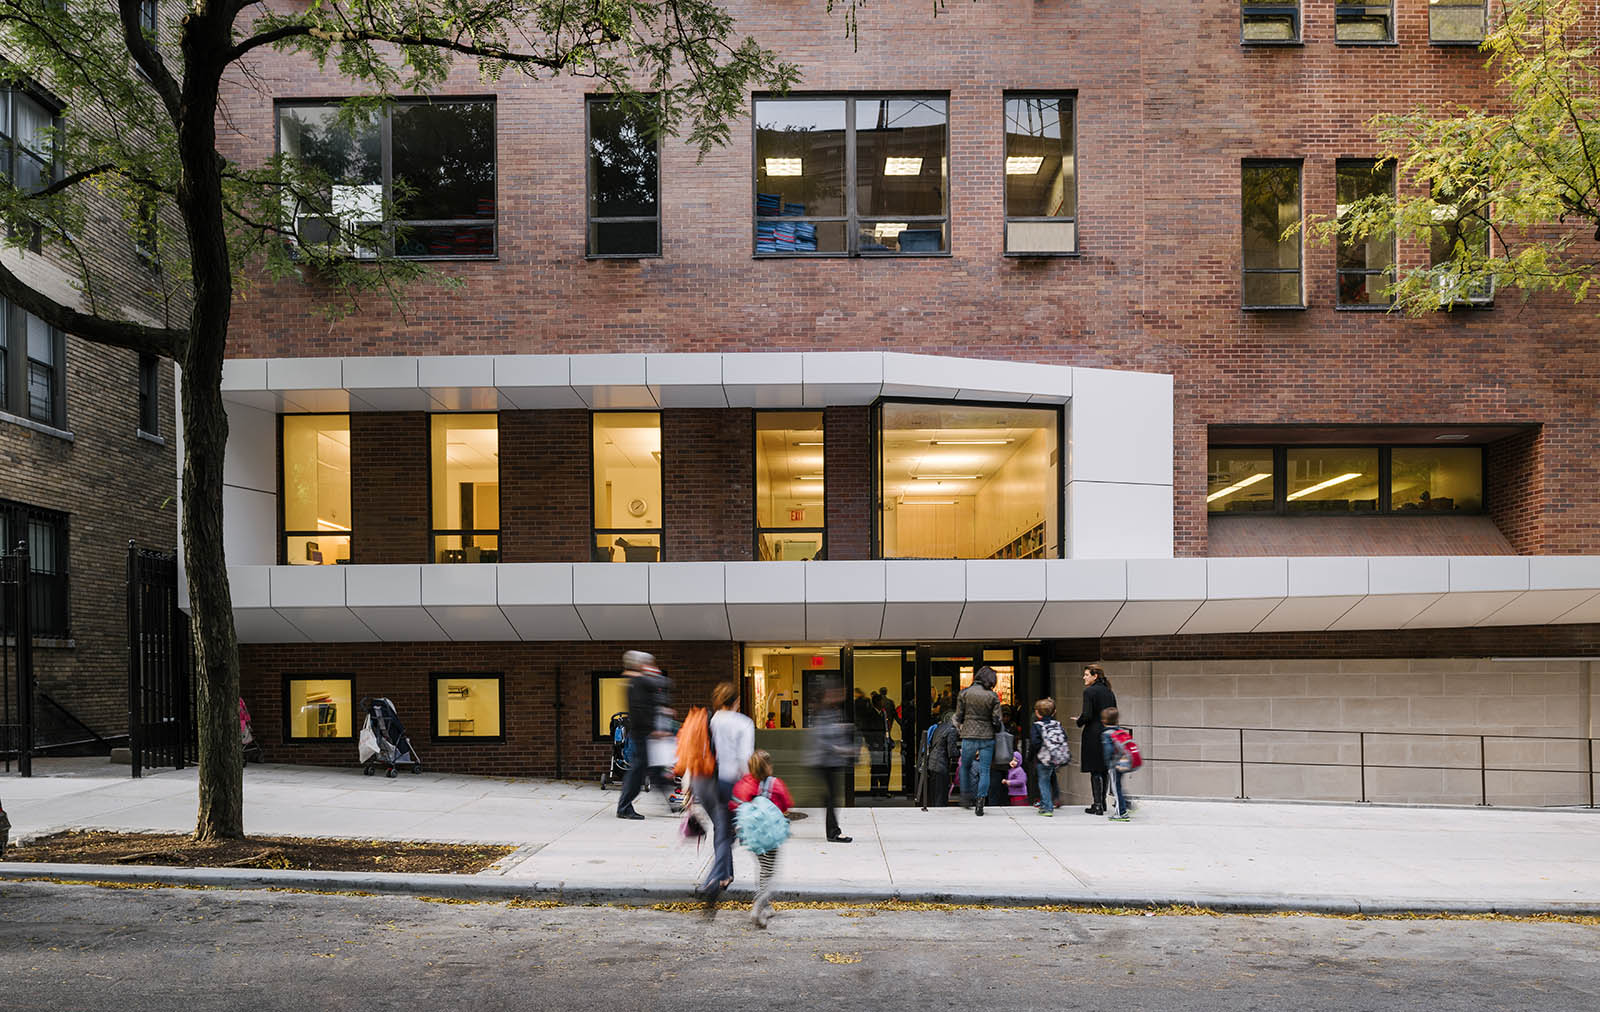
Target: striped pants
column 761, row 909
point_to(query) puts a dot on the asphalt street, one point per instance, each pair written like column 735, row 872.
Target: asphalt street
column 87, row 948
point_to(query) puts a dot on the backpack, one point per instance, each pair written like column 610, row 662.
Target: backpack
column 1127, row 749
column 696, row 757
column 760, row 826
column 1053, row 748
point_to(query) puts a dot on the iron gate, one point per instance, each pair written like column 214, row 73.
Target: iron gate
column 161, row 719
column 17, row 683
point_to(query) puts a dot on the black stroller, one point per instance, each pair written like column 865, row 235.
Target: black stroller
column 383, row 741
column 623, row 752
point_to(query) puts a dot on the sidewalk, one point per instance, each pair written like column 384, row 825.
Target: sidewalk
column 1256, row 855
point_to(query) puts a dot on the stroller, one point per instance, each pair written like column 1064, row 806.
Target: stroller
column 383, row 740
column 623, row 752
column 247, row 737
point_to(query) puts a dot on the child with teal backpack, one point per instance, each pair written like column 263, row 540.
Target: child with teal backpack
column 760, row 801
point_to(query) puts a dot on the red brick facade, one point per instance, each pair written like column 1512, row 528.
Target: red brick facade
column 1517, row 501
column 537, row 677
column 847, row 462
column 707, row 477
column 389, row 504
column 545, row 468
column 1168, row 103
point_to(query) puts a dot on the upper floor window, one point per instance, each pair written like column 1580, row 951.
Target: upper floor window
column 430, row 162
column 466, row 488
column 316, row 489
column 150, row 394
column 1269, row 20
column 1041, row 175
column 789, row 486
column 968, row 481
column 1460, row 238
column 32, row 367
column 1270, row 204
column 45, row 532
column 27, row 148
column 627, row 486
column 1364, row 22
column 624, row 182
column 856, row 176
column 1345, row 479
column 1457, row 22
column 1366, row 265
column 147, row 15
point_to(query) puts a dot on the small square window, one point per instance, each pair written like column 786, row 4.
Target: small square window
column 1457, row 22
column 1269, row 21
column 1363, row 22
column 610, row 700
column 468, row 707
column 318, row 708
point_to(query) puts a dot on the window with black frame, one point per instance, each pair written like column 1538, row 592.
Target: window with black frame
column 1269, row 21
column 466, row 488
column 27, row 147
column 1041, row 175
column 468, row 707
column 45, row 534
column 1364, row 22
column 1458, row 242
column 624, row 180
column 417, row 176
column 790, row 517
column 627, row 486
column 852, row 176
column 150, row 394
column 1345, row 480
column 317, row 525
column 32, row 367
column 1270, row 206
column 1366, row 264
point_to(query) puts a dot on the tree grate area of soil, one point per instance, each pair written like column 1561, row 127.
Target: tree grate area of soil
column 281, row 852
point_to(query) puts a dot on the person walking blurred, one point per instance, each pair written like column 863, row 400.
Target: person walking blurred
column 761, row 782
column 649, row 703
column 1097, row 697
column 833, row 753
column 977, row 718
column 733, row 741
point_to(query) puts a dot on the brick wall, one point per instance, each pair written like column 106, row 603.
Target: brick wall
column 1168, row 103
column 389, row 496
column 708, row 494
column 536, row 675
column 1516, row 493
column 546, row 460
column 847, row 466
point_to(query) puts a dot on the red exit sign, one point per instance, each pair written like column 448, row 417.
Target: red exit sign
column 796, row 516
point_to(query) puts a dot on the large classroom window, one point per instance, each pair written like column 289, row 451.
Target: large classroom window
column 1345, row 480
column 429, row 163
column 627, row 486
column 466, row 488
column 1366, row 265
column 1041, row 176
column 968, row 481
column 468, row 707
column 854, row 176
column 624, row 182
column 1270, row 204
column 317, row 527
column 789, row 484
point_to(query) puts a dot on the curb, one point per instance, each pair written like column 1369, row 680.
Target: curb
column 495, row 888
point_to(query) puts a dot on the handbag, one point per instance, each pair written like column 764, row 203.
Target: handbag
column 661, row 752
column 1004, row 745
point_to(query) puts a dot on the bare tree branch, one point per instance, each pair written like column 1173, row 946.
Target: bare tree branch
column 149, row 60
column 164, row 341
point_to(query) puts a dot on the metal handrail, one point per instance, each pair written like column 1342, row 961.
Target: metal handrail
column 1483, row 768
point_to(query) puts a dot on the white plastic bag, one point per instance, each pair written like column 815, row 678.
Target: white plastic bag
column 662, row 752
column 367, row 746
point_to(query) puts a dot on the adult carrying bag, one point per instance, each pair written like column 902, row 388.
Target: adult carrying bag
column 696, row 757
column 758, row 823
column 1128, row 758
column 1053, row 747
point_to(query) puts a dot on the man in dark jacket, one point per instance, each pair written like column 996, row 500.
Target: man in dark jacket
column 977, row 716
column 832, row 754
column 649, row 699
column 943, row 752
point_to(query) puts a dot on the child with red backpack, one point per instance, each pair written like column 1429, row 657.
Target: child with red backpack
column 1122, row 758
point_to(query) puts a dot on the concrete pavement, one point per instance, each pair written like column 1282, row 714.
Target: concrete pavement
column 1255, row 855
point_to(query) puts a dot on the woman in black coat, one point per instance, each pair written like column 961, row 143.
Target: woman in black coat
column 1097, row 696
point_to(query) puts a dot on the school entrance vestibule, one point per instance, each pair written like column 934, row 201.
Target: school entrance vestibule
column 893, row 694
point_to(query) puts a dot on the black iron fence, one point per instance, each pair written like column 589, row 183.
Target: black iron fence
column 17, row 684
column 1481, row 769
column 41, row 536
column 161, row 717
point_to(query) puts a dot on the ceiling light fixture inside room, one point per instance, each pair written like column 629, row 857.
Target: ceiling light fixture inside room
column 783, row 166
column 808, row 477
column 1319, row 486
column 944, row 477
column 1236, row 486
column 971, row 442
column 927, row 502
column 1453, row 437
column 1023, row 165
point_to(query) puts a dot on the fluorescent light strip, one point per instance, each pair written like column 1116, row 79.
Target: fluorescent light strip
column 329, row 525
column 971, row 442
column 809, row 444
column 783, row 167
column 1236, row 486
column 927, row 502
column 944, row 477
column 808, row 477
column 1319, row 486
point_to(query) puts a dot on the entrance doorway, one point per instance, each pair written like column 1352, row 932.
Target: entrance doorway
column 894, row 694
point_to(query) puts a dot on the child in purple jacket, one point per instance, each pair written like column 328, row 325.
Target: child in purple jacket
column 1017, row 780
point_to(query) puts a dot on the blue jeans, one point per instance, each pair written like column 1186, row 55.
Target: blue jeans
column 714, row 795
column 1118, row 793
column 1047, row 798
column 976, row 755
